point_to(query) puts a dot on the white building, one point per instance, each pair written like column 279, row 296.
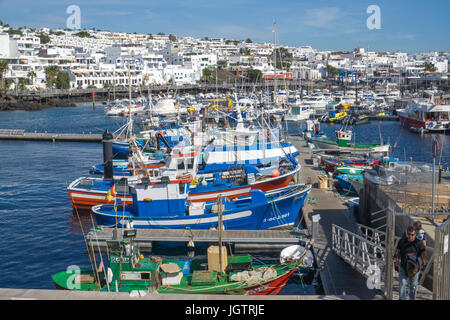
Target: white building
column 198, row 62
column 306, row 73
column 84, row 78
column 8, row 47
column 28, row 45
column 180, row 75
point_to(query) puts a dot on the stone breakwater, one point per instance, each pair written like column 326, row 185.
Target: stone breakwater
column 9, row 102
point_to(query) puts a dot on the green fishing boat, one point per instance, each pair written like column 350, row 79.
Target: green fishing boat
column 343, row 143
column 349, row 170
column 129, row 271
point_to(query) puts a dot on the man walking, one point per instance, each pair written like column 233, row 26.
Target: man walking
column 410, row 257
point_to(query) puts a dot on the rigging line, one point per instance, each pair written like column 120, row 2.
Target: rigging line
column 442, row 149
column 85, row 242
column 276, row 213
column 121, row 129
column 278, row 142
column 101, row 258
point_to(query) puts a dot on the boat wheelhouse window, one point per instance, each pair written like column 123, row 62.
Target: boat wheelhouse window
column 153, row 173
column 181, row 165
column 135, row 276
column 87, row 182
column 182, row 188
column 122, row 186
column 190, row 164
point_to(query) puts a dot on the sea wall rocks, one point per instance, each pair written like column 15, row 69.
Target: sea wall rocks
column 8, row 102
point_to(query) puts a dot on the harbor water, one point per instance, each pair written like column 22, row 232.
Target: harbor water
column 42, row 235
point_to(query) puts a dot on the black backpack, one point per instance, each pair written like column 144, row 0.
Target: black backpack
column 413, row 261
column 414, row 264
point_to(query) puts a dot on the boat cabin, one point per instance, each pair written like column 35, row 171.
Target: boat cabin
column 343, row 137
column 129, row 270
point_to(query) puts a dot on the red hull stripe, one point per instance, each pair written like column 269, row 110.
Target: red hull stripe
column 263, row 186
column 412, row 122
column 273, row 287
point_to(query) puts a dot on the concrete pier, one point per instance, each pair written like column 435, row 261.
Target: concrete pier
column 53, row 137
column 243, row 239
column 36, row 294
column 337, row 276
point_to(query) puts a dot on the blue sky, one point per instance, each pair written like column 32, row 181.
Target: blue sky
column 406, row 25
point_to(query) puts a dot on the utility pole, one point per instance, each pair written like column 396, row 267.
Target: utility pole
column 435, row 149
column 390, row 251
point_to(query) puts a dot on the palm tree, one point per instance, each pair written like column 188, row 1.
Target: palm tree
column 32, row 76
column 3, row 67
column 22, row 83
column 51, row 72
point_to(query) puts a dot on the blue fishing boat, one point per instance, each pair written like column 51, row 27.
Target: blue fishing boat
column 123, row 147
column 165, row 205
column 125, row 168
column 354, row 202
column 345, row 181
column 245, row 146
column 86, row 192
column 206, row 185
column 354, row 205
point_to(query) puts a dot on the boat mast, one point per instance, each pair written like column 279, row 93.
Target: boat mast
column 275, row 84
column 130, row 126
column 219, row 227
column 114, row 83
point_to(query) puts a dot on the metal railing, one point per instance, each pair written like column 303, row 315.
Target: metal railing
column 441, row 262
column 359, row 252
column 440, row 259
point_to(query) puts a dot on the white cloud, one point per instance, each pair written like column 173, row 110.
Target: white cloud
column 321, row 17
